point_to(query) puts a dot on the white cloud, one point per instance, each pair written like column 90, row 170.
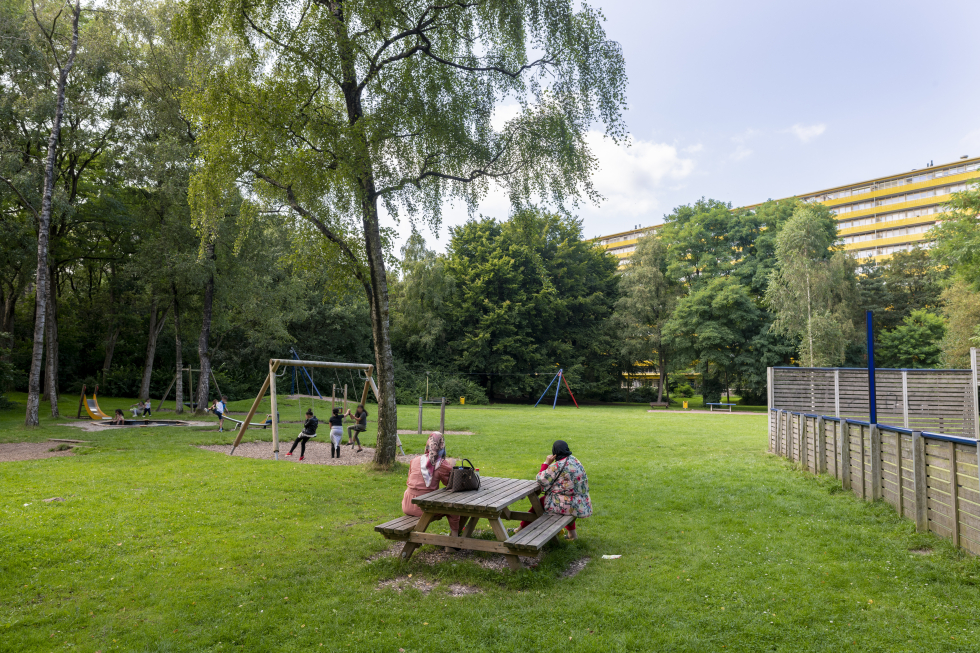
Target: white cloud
column 740, row 153
column 629, row 177
column 807, row 133
column 693, row 149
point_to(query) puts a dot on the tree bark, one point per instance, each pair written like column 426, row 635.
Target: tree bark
column 202, row 341
column 51, row 353
column 9, row 308
column 157, row 323
column 110, row 348
column 44, row 224
column 662, row 360
column 180, row 358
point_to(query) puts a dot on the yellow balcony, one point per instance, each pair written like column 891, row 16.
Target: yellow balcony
column 894, row 190
column 893, row 224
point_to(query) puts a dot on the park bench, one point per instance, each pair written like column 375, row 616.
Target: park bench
column 720, row 406
column 658, row 404
column 533, row 537
column 397, row 529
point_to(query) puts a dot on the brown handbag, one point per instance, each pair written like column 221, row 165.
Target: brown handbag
column 463, row 478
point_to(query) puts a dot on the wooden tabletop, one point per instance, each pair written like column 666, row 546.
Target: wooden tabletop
column 493, row 497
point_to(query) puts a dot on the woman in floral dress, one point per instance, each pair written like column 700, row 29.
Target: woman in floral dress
column 564, row 485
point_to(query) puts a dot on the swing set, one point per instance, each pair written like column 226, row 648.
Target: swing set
column 560, row 377
column 270, row 385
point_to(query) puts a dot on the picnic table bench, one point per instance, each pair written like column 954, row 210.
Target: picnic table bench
column 720, row 406
column 491, row 502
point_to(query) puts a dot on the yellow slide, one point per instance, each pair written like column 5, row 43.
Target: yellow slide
column 92, row 407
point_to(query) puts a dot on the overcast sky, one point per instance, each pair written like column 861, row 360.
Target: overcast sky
column 761, row 99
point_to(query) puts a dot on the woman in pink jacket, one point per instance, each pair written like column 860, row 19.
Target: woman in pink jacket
column 424, row 475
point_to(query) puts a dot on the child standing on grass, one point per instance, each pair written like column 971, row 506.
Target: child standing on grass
column 219, row 409
column 146, row 409
column 336, row 433
column 309, row 431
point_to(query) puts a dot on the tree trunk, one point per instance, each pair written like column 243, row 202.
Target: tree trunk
column 110, row 348
column 202, row 341
column 662, row 360
column 44, row 225
column 51, row 352
column 384, row 454
column 157, row 323
column 180, row 358
column 7, row 326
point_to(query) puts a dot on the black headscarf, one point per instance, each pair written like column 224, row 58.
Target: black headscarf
column 560, row 450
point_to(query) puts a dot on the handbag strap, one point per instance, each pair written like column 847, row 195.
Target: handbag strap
column 465, row 460
column 557, row 476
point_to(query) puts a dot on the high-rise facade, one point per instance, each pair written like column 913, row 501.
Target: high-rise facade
column 875, row 218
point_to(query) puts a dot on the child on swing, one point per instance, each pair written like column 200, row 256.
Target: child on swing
column 309, row 431
column 336, row 433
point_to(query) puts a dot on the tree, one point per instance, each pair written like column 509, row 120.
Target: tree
column 913, row 344
column 419, row 305
column 647, row 301
column 905, row 282
column 334, row 108
column 712, row 327
column 957, row 236
column 961, row 308
column 531, row 296
column 64, row 64
column 813, row 291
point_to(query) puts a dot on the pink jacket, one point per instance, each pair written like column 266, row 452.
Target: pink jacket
column 416, row 484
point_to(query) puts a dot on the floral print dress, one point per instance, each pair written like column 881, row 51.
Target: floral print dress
column 566, row 488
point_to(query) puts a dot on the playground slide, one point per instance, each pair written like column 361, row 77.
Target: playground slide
column 93, row 410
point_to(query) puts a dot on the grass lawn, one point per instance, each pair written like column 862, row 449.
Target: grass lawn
column 161, row 546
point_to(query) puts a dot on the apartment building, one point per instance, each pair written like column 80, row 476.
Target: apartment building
column 875, row 218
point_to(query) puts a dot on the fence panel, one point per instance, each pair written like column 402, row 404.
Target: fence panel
column 931, row 478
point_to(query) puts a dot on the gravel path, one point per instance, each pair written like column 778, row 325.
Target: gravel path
column 317, row 453
column 15, row 451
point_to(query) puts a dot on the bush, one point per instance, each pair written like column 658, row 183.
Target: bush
column 409, row 387
column 684, row 390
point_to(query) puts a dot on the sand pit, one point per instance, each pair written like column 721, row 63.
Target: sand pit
column 15, row 451
column 317, row 453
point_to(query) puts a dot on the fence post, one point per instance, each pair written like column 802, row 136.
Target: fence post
column 845, row 454
column 877, row 474
column 836, row 450
column 864, row 468
column 804, row 453
column 919, row 481
column 442, row 417
column 905, row 398
column 836, row 393
column 799, row 437
column 769, row 380
column 901, row 475
column 953, row 493
column 821, row 444
column 420, row 415
column 778, row 447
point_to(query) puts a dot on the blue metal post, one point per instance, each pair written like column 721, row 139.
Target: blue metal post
column 557, row 390
column 872, row 401
column 545, row 392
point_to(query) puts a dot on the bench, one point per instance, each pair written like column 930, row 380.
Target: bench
column 397, row 529
column 720, row 406
column 659, row 404
column 532, row 538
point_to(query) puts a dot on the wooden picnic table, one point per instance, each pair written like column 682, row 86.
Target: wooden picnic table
column 491, row 502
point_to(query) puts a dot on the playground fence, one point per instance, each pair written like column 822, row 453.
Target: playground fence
column 929, row 476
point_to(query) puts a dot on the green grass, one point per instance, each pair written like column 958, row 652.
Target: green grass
column 161, row 546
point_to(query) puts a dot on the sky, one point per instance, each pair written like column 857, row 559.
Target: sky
column 759, row 99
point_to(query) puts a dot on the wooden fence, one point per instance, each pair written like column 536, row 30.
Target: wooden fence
column 931, row 478
column 940, row 401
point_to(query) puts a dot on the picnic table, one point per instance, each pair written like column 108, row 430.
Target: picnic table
column 491, row 502
column 720, row 406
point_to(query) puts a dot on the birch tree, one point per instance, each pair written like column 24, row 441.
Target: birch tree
column 336, row 110
column 813, row 291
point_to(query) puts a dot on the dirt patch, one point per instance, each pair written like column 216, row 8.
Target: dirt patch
column 921, row 552
column 575, row 568
column 458, row 589
column 403, row 583
column 411, row 432
column 317, row 453
column 90, row 426
column 16, row 451
column 431, row 555
column 698, row 411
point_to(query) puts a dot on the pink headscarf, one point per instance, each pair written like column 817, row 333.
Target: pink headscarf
column 435, row 453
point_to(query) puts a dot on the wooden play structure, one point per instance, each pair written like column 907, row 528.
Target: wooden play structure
column 442, row 416
column 190, row 386
column 270, row 385
column 91, row 405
